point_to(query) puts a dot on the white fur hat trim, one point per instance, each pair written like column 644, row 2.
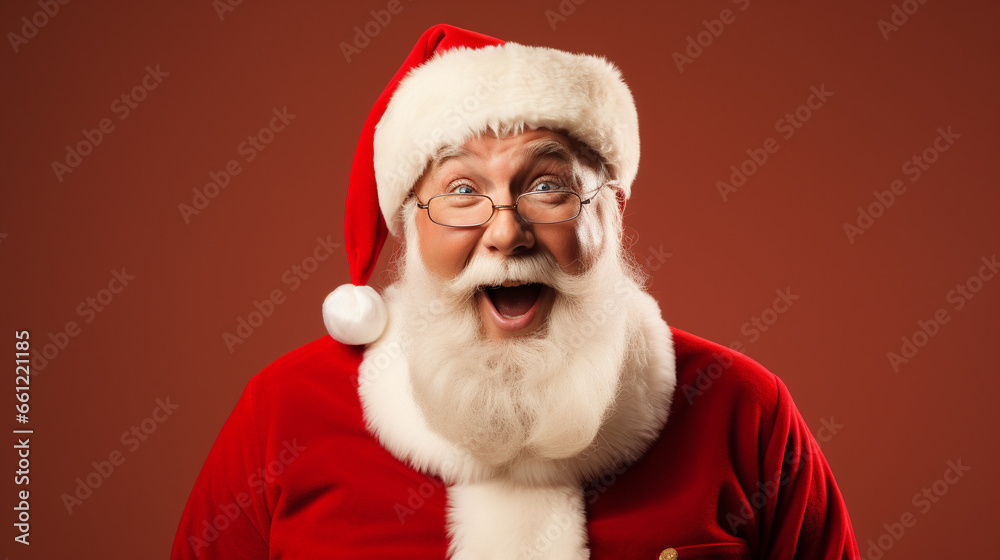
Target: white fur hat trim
column 462, row 92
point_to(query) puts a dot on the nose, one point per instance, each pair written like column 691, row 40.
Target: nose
column 506, row 233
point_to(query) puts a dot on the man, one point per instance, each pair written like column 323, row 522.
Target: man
column 516, row 393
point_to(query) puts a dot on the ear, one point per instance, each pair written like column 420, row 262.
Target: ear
column 620, row 197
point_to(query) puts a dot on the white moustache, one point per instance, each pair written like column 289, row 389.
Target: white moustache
column 538, row 268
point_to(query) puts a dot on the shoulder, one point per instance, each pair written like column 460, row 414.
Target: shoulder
column 323, row 356
column 322, row 373
column 712, row 373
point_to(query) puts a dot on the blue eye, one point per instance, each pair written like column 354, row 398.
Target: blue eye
column 545, row 186
column 459, row 189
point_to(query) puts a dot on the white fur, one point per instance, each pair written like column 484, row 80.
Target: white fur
column 463, row 92
column 482, row 497
column 497, row 520
column 354, row 314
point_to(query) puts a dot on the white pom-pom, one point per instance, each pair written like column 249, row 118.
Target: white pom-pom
column 354, row 314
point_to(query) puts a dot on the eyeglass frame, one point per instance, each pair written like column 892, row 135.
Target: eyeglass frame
column 513, row 207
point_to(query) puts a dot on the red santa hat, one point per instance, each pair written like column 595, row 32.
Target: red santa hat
column 455, row 85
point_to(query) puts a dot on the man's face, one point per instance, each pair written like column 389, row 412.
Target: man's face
column 503, row 169
column 540, row 382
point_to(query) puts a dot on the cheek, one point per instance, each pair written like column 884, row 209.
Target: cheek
column 563, row 242
column 443, row 250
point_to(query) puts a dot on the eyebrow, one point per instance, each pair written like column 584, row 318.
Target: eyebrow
column 449, row 152
column 549, row 148
column 546, row 148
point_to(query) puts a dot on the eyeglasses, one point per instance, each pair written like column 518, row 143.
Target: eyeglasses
column 536, row 207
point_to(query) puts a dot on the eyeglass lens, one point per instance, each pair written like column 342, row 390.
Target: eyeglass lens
column 475, row 209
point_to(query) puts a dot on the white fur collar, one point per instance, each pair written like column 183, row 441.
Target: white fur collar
column 532, row 509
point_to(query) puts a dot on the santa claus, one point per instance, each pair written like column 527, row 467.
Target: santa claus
column 515, row 393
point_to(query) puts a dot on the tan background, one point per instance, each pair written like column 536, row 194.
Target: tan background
column 784, row 229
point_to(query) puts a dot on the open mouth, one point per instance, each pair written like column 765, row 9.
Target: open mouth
column 513, row 304
column 515, row 300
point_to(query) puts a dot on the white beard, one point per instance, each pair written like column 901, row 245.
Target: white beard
column 514, row 427
column 543, row 395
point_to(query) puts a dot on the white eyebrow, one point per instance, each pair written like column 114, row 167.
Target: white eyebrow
column 541, row 149
column 449, row 152
column 545, row 148
column 549, row 148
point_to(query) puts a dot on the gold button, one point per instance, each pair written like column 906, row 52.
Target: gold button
column 668, row 554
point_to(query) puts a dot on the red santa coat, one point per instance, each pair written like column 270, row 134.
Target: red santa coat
column 734, row 474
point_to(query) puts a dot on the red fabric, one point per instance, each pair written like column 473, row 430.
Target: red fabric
column 735, row 474
column 365, row 230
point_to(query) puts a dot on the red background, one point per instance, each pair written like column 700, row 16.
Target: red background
column 783, row 229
